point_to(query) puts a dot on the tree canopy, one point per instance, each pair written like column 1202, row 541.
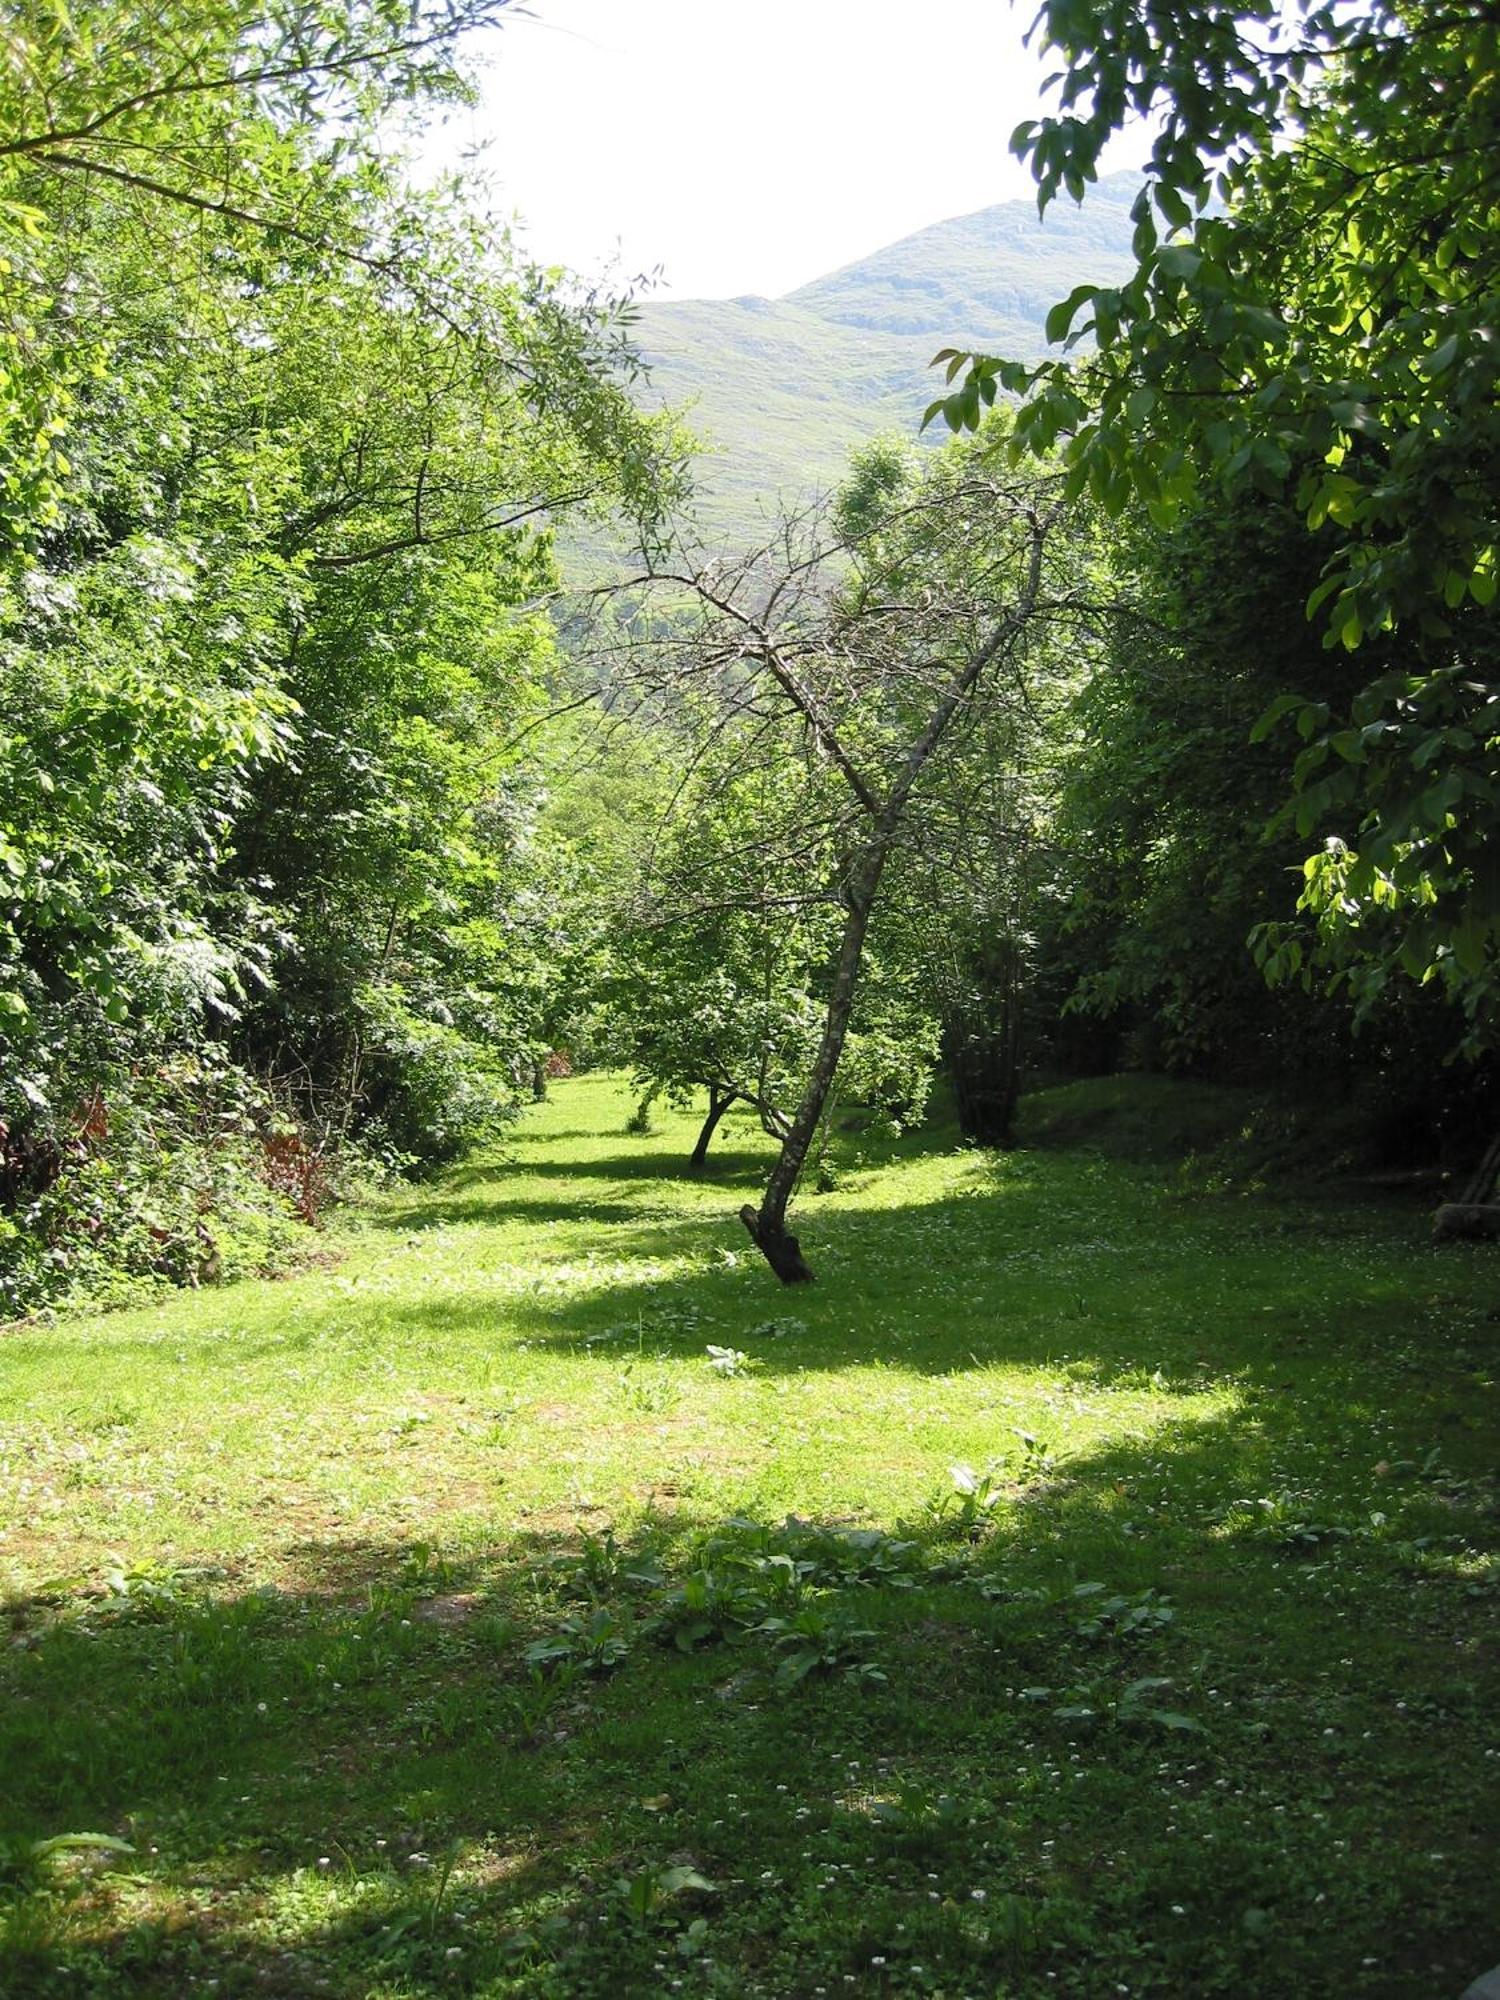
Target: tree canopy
column 1312, row 314
column 283, row 442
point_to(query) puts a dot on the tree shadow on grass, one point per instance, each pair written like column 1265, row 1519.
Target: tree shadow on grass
column 507, row 1201
column 1011, row 1270
column 461, row 1212
column 295, row 1768
column 993, row 1275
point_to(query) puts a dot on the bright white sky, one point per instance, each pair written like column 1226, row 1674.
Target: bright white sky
column 749, row 145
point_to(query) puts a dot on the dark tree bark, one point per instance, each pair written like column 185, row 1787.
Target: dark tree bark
column 719, row 1102
column 781, row 1250
column 985, row 1084
column 1481, row 1183
column 982, row 1048
column 1475, row 1216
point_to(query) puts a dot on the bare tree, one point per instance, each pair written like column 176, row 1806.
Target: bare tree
column 875, row 649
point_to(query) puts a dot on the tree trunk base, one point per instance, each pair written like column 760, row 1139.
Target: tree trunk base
column 780, row 1249
column 1466, row 1222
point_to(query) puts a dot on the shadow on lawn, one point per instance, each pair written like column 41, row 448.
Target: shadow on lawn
column 446, row 1212
column 646, row 1156
column 379, row 1713
column 294, row 1766
column 995, row 1274
column 492, row 1195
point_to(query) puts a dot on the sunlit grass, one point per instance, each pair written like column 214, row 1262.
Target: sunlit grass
column 275, row 1556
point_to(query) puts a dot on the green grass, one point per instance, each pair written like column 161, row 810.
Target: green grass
column 429, row 1624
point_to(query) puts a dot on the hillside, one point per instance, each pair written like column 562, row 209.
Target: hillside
column 781, row 390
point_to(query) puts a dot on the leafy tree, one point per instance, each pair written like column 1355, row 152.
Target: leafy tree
column 721, row 968
column 252, row 125
column 271, row 626
column 1162, row 860
column 959, row 909
column 874, row 655
column 1312, row 313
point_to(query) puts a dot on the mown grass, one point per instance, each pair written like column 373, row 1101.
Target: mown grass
column 429, row 1624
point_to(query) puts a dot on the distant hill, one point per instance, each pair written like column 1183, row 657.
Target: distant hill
column 783, row 389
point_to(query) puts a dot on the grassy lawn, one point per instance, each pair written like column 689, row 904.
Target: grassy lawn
column 433, row 1623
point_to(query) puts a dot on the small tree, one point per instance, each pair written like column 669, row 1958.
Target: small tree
column 721, row 968
column 868, row 656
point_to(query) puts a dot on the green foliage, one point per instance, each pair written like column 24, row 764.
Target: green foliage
column 965, row 1509
column 1090, row 1704
column 1174, row 837
column 211, row 112
column 1406, row 894
column 811, row 1641
column 644, row 1897
column 595, row 1642
column 1113, row 1616
column 964, row 890
column 1310, row 313
column 268, row 629
column 24, row 1864
column 719, row 977
column 1159, row 867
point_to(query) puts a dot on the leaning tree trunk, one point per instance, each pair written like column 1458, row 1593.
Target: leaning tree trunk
column 718, row 1103
column 767, row 1224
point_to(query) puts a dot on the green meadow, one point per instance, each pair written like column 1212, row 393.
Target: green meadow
column 1088, row 1587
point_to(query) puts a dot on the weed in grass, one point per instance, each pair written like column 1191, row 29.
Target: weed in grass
column 707, row 1604
column 784, row 1327
column 595, row 1643
column 524, row 1711
column 814, row 1641
column 1036, row 1456
column 964, row 1509
column 1112, row 1615
column 645, row 1898
column 31, row 1864
column 1135, row 1705
column 915, row 1817
column 727, row 1360
column 601, row 1566
column 646, row 1390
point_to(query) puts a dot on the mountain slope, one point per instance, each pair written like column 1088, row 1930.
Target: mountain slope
column 782, row 390
column 986, row 279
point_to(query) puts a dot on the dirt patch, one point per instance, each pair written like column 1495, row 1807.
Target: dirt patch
column 455, row 1609
column 560, row 1520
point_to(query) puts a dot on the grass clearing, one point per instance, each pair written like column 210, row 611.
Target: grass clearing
column 430, row 1624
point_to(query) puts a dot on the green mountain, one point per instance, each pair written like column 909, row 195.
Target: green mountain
column 781, row 390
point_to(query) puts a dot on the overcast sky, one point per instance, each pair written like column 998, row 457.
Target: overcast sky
column 749, row 145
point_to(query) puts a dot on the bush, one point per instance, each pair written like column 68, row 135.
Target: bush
column 163, row 1180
